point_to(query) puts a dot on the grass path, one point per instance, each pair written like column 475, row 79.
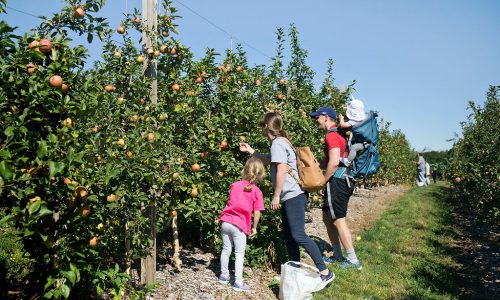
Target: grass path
column 407, row 254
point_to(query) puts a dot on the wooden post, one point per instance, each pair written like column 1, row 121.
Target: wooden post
column 149, row 33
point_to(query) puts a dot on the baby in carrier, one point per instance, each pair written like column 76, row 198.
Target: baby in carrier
column 356, row 115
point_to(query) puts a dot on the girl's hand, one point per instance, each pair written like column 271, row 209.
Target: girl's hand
column 275, row 203
column 253, row 233
column 244, row 147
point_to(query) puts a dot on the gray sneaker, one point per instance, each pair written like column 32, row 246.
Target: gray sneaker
column 348, row 264
column 331, row 259
column 223, row 279
column 244, row 287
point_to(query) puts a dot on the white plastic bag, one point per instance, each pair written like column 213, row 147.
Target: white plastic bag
column 298, row 281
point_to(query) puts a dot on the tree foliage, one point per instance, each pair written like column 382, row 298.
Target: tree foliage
column 81, row 160
column 475, row 159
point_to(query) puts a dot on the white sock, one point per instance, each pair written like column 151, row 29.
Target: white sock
column 351, row 256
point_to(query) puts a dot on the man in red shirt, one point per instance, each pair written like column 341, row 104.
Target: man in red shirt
column 338, row 189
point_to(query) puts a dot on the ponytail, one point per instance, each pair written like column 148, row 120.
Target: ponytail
column 274, row 124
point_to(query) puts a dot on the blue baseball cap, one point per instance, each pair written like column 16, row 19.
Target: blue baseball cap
column 324, row 110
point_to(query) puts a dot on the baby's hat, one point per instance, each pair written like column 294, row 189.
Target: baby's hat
column 355, row 110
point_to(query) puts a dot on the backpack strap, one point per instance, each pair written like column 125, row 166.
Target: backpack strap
column 290, row 170
column 348, row 142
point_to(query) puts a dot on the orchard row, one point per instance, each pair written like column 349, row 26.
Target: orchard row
column 85, row 150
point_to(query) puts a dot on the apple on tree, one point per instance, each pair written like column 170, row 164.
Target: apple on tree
column 68, row 122
column 55, row 81
column 93, row 242
column 78, row 12
column 34, row 45
column 45, row 45
column 151, row 137
column 112, row 198
column 121, row 143
column 30, row 68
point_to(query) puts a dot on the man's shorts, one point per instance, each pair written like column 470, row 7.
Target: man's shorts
column 336, row 197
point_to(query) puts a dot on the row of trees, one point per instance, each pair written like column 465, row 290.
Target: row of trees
column 84, row 150
column 475, row 161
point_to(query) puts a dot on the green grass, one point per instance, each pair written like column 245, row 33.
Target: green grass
column 403, row 254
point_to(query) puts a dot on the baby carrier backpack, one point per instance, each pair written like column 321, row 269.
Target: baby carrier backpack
column 367, row 162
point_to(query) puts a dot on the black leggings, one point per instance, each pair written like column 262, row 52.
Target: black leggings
column 293, row 214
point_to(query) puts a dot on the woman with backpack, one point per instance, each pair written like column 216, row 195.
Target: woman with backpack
column 288, row 195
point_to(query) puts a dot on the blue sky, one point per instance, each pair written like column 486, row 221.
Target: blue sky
column 418, row 62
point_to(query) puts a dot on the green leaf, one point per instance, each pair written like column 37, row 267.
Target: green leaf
column 50, row 281
column 44, row 211
column 73, row 268
column 5, row 154
column 71, row 276
column 42, row 150
column 55, row 168
column 49, row 295
column 111, row 173
column 5, row 170
column 35, row 206
column 100, row 290
column 44, row 237
column 52, row 138
column 65, row 290
column 9, row 131
column 6, row 219
column 28, row 232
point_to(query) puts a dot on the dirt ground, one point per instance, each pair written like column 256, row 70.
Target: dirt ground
column 476, row 251
column 198, row 279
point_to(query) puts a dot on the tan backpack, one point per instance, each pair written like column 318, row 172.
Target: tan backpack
column 311, row 178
